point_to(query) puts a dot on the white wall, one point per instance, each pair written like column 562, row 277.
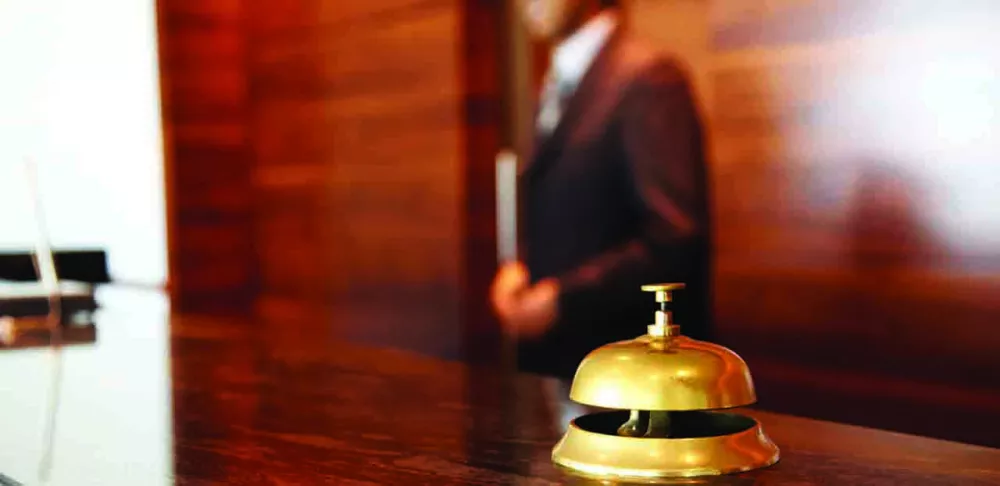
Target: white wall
column 79, row 95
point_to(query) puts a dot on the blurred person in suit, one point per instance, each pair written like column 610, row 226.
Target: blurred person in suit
column 613, row 196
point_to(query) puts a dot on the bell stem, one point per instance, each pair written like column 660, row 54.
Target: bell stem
column 634, row 427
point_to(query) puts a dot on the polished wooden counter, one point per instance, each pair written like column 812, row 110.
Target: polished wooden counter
column 162, row 399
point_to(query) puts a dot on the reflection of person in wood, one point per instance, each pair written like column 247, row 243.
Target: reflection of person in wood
column 887, row 232
column 614, row 195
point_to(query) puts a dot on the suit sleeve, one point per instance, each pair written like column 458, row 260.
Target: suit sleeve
column 661, row 146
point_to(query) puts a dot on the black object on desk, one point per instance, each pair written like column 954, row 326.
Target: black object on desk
column 90, row 266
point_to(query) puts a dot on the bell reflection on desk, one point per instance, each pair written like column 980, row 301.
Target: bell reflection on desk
column 662, row 388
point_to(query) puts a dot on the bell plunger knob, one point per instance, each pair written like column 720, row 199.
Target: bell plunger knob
column 662, row 327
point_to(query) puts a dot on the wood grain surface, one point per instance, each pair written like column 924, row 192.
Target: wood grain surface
column 280, row 402
column 854, row 147
column 342, row 413
column 205, row 103
column 330, row 158
column 332, row 161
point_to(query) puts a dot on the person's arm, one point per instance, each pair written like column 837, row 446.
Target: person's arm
column 661, row 135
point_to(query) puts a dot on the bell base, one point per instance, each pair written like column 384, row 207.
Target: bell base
column 701, row 444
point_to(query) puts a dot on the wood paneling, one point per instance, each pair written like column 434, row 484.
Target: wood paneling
column 854, row 159
column 353, row 132
column 361, row 114
column 485, row 96
column 335, row 160
column 204, row 89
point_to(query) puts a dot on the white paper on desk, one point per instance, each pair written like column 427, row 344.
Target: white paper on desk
column 506, row 206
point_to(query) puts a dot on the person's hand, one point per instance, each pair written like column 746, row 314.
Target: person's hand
column 511, row 281
column 525, row 310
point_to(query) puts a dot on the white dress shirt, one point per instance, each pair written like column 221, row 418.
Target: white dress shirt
column 571, row 60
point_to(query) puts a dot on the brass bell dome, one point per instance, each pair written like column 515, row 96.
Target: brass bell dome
column 665, row 391
column 663, row 371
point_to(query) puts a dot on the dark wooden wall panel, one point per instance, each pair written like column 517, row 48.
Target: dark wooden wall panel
column 209, row 198
column 323, row 157
column 357, row 136
column 483, row 56
column 854, row 144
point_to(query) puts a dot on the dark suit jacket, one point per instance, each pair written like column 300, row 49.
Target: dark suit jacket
column 614, row 198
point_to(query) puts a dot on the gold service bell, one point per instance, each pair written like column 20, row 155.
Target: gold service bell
column 666, row 390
